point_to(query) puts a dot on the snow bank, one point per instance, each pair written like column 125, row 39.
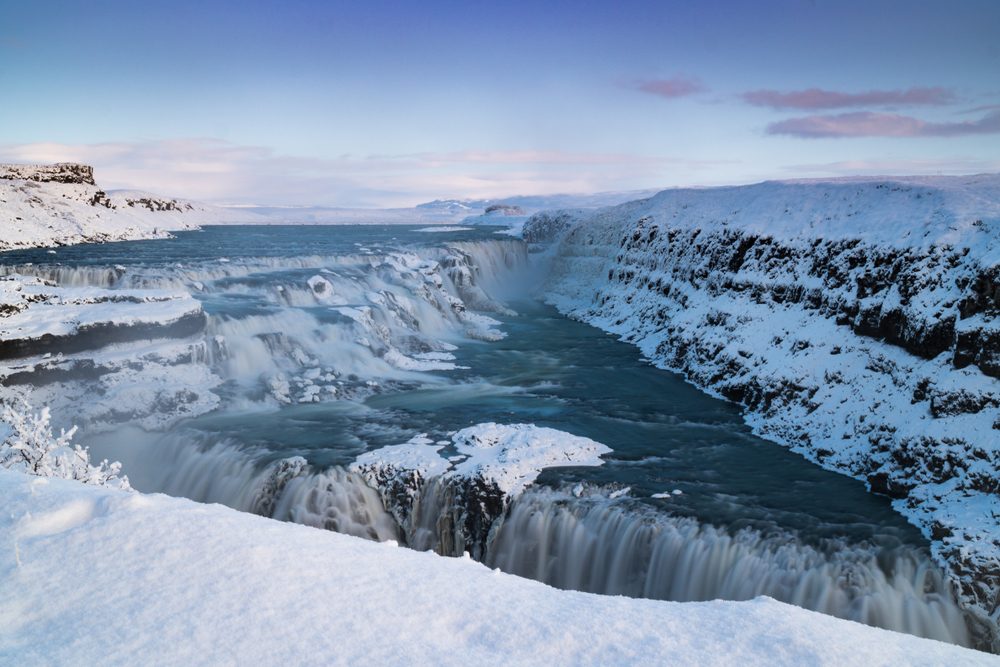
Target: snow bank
column 856, row 320
column 164, row 580
column 508, row 456
column 513, row 455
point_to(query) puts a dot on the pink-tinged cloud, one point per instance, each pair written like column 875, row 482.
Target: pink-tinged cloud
column 814, row 99
column 671, row 88
column 870, row 124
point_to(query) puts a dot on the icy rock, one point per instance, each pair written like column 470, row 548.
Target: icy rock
column 496, row 463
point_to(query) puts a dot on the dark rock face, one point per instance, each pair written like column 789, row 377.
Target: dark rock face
column 450, row 515
column 63, row 172
column 156, row 204
column 100, row 198
column 278, row 477
column 503, row 209
column 913, row 299
column 881, row 483
column 100, row 335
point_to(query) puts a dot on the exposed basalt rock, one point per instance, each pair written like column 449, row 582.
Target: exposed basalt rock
column 278, row 477
column 156, row 204
column 961, row 402
column 503, row 209
column 100, row 198
column 448, row 514
column 100, row 335
column 882, row 483
column 63, row 172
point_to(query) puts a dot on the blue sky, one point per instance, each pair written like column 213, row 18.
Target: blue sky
column 392, row 103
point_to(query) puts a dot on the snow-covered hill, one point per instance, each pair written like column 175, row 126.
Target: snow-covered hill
column 506, row 211
column 93, row 575
column 45, row 205
column 858, row 320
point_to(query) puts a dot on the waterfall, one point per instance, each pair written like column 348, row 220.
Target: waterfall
column 600, row 546
column 300, row 329
column 192, row 465
column 591, row 543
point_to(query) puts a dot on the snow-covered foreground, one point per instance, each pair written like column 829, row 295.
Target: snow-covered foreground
column 98, row 576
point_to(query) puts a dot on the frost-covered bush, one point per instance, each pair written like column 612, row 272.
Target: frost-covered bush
column 29, row 445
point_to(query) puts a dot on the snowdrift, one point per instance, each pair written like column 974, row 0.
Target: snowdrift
column 99, row 576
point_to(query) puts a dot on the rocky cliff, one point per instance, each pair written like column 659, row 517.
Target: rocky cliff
column 858, row 321
column 62, row 172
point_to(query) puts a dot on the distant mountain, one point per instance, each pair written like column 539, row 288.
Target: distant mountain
column 533, row 203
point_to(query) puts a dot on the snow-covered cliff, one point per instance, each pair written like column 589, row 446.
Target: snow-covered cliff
column 858, row 320
column 44, row 205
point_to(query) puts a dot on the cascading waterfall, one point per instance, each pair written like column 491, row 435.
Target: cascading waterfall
column 191, row 465
column 599, row 546
column 318, row 328
column 591, row 543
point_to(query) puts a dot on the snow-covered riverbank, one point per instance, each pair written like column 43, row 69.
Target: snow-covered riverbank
column 857, row 320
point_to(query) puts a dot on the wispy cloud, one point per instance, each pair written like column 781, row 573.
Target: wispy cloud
column 981, row 109
column 220, row 171
column 871, row 124
column 677, row 86
column 815, row 99
column 534, row 157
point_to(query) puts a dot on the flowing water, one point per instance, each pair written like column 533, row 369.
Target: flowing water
column 333, row 341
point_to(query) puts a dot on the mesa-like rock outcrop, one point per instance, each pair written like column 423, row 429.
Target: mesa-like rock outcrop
column 61, row 172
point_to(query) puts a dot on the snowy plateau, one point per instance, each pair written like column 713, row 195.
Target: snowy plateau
column 855, row 320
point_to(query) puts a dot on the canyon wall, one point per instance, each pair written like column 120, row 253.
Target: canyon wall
column 858, row 322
